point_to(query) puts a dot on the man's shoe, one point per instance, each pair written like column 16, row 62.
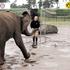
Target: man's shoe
column 34, row 46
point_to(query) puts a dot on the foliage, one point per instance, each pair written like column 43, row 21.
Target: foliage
column 63, row 12
column 40, row 4
column 31, row 2
column 19, row 6
column 46, row 4
column 13, row 5
column 4, row 0
column 55, row 0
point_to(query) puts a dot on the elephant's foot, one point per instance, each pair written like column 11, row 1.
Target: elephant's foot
column 1, row 62
column 28, row 56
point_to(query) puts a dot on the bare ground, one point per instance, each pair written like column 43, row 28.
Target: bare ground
column 53, row 52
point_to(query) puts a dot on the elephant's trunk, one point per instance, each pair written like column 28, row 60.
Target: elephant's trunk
column 24, row 22
column 26, row 32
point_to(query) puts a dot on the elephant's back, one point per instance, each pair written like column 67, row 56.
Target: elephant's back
column 8, row 16
column 7, row 22
column 8, row 19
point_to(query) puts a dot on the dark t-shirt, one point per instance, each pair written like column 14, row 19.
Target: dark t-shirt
column 35, row 24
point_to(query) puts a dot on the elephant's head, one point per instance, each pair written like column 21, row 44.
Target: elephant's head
column 25, row 21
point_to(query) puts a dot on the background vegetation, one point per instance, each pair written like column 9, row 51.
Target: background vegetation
column 47, row 15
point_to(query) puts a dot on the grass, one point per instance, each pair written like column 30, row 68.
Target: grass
column 55, row 21
column 58, row 19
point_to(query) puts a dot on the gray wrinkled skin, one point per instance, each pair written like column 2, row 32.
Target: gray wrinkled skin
column 48, row 29
column 12, row 25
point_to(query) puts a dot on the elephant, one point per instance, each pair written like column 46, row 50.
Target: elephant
column 12, row 26
column 48, row 29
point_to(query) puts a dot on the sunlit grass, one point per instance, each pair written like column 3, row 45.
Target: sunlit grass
column 55, row 21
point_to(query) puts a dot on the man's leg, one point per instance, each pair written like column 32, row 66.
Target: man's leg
column 36, row 40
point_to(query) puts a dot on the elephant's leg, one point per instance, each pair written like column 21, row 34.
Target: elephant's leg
column 19, row 42
column 2, row 52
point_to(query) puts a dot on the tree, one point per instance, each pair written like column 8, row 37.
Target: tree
column 15, row 1
column 13, row 6
column 31, row 2
column 47, row 3
column 40, row 4
column 56, row 1
column 4, row 0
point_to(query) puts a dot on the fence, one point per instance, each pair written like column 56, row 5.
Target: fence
column 55, row 16
column 48, row 16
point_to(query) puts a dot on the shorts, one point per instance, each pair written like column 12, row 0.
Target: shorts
column 36, row 32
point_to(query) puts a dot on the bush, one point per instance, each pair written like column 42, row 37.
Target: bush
column 62, row 12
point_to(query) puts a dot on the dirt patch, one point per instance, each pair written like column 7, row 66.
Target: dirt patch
column 53, row 53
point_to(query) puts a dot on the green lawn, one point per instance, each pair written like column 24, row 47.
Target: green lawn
column 55, row 21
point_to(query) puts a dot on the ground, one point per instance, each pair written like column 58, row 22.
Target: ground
column 53, row 52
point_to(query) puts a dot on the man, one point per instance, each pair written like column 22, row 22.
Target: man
column 35, row 24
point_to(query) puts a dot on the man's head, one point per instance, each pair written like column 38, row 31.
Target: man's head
column 36, row 18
